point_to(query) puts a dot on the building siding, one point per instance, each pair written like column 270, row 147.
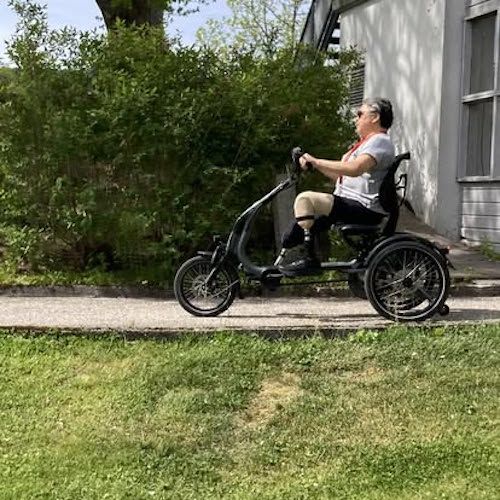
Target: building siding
column 480, row 218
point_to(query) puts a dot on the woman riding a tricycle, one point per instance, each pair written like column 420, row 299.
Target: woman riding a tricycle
column 404, row 277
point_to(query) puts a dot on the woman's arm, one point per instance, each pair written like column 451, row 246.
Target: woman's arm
column 333, row 169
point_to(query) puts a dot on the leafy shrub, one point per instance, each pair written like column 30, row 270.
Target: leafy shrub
column 123, row 150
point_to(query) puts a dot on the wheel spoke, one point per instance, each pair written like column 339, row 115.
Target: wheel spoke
column 415, row 269
column 391, row 283
column 427, row 295
column 225, row 289
column 393, row 294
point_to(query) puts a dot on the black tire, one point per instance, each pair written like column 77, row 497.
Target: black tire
column 356, row 284
column 407, row 281
column 199, row 298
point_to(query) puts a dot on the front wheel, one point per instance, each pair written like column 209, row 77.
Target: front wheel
column 202, row 294
column 407, row 281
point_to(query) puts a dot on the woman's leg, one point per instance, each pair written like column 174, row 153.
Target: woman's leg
column 308, row 206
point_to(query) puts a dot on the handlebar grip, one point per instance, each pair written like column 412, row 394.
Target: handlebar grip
column 297, row 152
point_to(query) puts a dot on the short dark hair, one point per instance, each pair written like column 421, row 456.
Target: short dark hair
column 384, row 108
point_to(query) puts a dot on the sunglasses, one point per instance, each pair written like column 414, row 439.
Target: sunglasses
column 360, row 113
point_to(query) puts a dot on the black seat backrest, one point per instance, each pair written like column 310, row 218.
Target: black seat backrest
column 388, row 195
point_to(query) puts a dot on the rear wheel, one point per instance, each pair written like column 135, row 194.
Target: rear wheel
column 407, row 281
column 201, row 293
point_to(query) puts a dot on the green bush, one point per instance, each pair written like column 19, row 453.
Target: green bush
column 122, row 150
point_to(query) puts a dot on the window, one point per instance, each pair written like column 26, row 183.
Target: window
column 482, row 68
column 482, row 95
column 480, row 135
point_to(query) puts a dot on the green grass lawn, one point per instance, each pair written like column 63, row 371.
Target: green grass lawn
column 401, row 414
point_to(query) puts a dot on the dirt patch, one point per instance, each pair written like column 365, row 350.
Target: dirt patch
column 94, row 372
column 274, row 395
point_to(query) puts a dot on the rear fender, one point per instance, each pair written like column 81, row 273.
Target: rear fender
column 401, row 237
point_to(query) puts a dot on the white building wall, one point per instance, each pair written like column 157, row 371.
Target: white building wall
column 403, row 43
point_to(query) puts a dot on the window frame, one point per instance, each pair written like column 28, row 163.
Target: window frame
column 474, row 12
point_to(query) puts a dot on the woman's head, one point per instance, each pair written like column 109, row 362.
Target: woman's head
column 382, row 108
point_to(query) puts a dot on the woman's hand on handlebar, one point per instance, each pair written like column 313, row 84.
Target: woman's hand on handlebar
column 307, row 161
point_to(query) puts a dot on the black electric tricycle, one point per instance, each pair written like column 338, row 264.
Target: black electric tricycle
column 404, row 276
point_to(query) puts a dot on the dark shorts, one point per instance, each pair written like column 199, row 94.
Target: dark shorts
column 346, row 211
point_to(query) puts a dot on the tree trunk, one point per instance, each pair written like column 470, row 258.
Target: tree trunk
column 139, row 12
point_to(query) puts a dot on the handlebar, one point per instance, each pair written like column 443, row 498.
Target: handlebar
column 297, row 152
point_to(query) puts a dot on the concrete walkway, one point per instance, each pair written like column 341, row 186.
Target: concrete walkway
column 166, row 317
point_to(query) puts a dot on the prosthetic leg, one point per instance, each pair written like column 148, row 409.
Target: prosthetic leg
column 308, row 206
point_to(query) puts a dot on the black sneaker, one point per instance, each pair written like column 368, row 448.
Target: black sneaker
column 301, row 267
